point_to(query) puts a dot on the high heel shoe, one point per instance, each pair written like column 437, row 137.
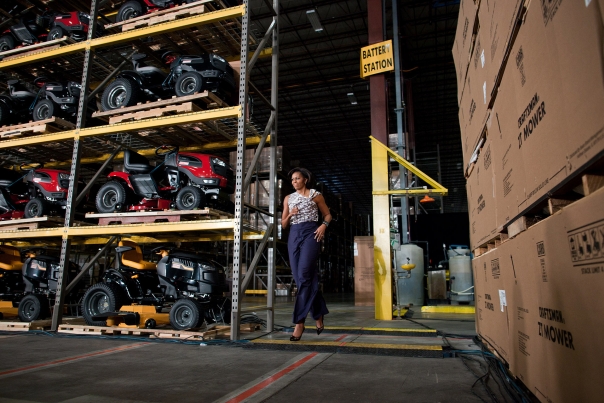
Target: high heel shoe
column 294, row 338
column 320, row 329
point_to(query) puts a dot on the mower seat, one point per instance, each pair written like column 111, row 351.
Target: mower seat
column 10, row 258
column 135, row 163
column 134, row 258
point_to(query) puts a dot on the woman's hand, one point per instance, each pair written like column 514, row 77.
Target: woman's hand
column 320, row 232
column 294, row 211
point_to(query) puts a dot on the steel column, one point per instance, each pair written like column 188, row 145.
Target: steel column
column 400, row 108
column 57, row 313
column 240, row 165
column 272, row 209
column 377, row 83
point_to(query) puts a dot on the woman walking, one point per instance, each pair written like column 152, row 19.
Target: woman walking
column 301, row 210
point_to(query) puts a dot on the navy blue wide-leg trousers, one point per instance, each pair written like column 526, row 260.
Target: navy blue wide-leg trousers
column 303, row 251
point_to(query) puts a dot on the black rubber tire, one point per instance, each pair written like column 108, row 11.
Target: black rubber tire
column 121, row 92
column 44, row 109
column 36, row 208
column 7, row 42
column 33, row 307
column 150, row 324
column 188, row 84
column 111, row 197
column 55, row 33
column 190, row 198
column 5, row 117
column 101, row 298
column 186, row 313
column 130, row 9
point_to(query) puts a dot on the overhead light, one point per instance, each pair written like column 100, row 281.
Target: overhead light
column 313, row 17
column 352, row 98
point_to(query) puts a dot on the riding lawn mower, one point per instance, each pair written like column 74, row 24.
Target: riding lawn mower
column 183, row 180
column 137, row 293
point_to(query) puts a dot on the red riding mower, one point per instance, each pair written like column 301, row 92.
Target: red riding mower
column 11, row 281
column 136, row 293
column 33, row 29
column 183, row 180
column 38, row 192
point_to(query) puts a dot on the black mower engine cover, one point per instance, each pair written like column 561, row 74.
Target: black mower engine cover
column 188, row 272
column 42, row 272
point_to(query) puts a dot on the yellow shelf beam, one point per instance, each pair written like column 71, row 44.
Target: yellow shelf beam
column 110, row 40
column 152, row 228
column 185, row 118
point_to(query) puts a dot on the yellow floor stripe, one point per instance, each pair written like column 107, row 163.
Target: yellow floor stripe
column 449, row 309
column 380, row 329
column 353, row 345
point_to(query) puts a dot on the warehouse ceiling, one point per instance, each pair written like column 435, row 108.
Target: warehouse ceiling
column 318, row 125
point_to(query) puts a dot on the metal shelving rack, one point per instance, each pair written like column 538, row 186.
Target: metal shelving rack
column 224, row 127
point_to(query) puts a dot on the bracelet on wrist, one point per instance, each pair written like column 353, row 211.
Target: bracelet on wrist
column 326, row 223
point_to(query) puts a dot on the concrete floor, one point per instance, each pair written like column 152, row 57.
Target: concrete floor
column 41, row 367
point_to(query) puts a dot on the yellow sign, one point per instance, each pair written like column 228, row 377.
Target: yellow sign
column 377, row 58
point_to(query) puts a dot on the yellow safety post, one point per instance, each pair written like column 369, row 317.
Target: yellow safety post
column 381, row 230
column 381, row 220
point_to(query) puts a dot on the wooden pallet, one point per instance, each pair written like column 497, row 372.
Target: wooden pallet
column 7, row 326
column 185, row 10
column 156, row 112
column 36, row 48
column 589, row 183
column 25, row 224
column 50, row 125
column 210, row 99
column 491, row 244
column 158, row 216
column 151, row 333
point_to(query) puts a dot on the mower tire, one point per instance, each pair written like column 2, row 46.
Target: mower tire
column 186, row 313
column 111, row 197
column 188, row 84
column 101, row 298
column 55, row 33
column 190, row 198
column 130, row 9
column 36, row 208
column 121, row 92
column 33, row 307
column 44, row 109
column 7, row 42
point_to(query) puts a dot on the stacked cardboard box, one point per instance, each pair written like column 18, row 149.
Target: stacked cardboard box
column 538, row 302
column 532, row 121
column 534, row 109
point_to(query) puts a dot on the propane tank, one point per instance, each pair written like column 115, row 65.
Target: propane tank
column 409, row 274
column 460, row 272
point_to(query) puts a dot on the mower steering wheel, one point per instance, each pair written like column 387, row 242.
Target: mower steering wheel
column 162, row 250
column 169, row 57
column 26, row 167
column 40, row 81
column 165, row 150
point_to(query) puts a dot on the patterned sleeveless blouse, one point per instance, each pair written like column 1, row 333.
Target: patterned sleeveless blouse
column 307, row 209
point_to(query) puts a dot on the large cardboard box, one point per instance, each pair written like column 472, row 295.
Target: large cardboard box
column 464, row 39
column 555, row 69
column 555, row 298
column 364, row 288
column 508, row 163
column 475, row 101
column 493, row 317
column 480, row 188
column 497, row 20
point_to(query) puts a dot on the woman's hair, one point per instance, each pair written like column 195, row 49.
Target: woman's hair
column 304, row 172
